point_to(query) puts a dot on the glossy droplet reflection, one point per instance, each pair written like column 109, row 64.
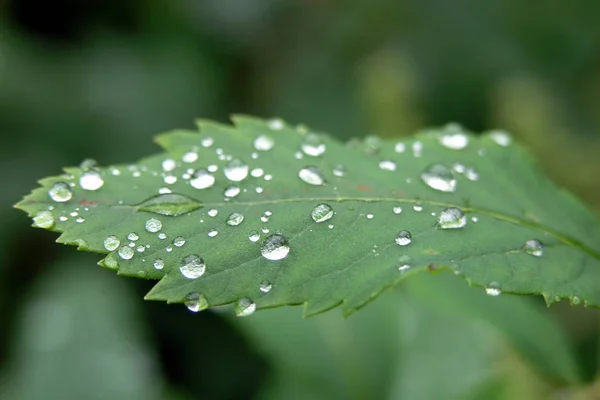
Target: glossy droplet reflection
column 196, row 302
column 91, row 180
column 193, row 267
column 534, row 247
column 235, row 219
column 312, row 145
column 454, row 137
column 44, row 219
column 275, row 247
column 265, row 286
column 322, row 212
column 202, row 179
column 312, row 175
column 403, row 238
column 60, row 192
column 236, row 170
column 264, row 143
column 493, row 289
column 153, row 225
column 439, row 177
column 452, row 218
column 245, row 307
column 111, row 243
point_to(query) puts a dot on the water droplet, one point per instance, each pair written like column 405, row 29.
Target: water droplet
column 231, row 191
column 265, row 230
column 213, row 212
column 400, row 147
column 88, row 163
column 403, row 238
column 235, row 219
column 159, row 263
column 387, row 165
column 454, row 137
column 312, row 145
column 417, row 149
column 575, row 300
column 500, row 137
column 259, row 189
column 206, row 141
column 60, row 192
column 236, row 170
column 168, row 164
column 244, row 307
column 339, row 170
column 275, row 124
column 268, row 177
column 493, row 289
column 460, row 168
column 471, row 174
column 534, row 247
column 44, row 219
column 266, row 215
column 418, row 207
column 193, row 267
column 196, row 302
column 322, row 212
column 275, row 247
column 141, row 249
column 190, row 157
column 311, row 175
column 126, row 253
column 439, row 177
column 330, row 226
column 370, row 216
column 169, row 204
column 111, row 243
column 91, row 180
column 257, row 172
column 403, row 268
column 179, row 241
column 452, row 218
column 265, row 286
column 162, row 236
column 133, row 236
column 213, row 233
column 264, row 143
column 254, row 236
column 153, row 225
column 372, row 145
column 169, row 249
column 397, row 209
column 202, row 179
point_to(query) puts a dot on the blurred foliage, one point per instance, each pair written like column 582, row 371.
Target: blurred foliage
column 97, row 79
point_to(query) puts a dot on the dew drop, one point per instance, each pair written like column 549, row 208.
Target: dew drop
column 471, row 174
column 257, row 172
column 403, row 238
column 397, row 209
column 454, row 137
column 202, row 179
column 170, row 179
column 266, row 215
column 311, row 175
column 493, row 289
column 417, row 149
column 387, row 165
column 168, row 164
column 575, row 300
column 231, row 191
column 212, row 233
column 159, row 264
column 254, row 236
column 141, row 249
column 236, row 170
column 162, row 236
column 265, row 230
column 400, row 147
column 534, row 247
column 265, row 286
column 275, row 124
column 196, row 302
column 339, row 170
column 500, row 137
column 322, row 212
column 60, row 192
column 44, row 219
column 179, row 241
column 206, row 141
column 190, row 157
column 111, row 243
column 91, row 180
column 439, row 177
column 235, row 219
column 404, row 267
column 418, row 207
column 275, row 247
column 133, row 236
column 312, row 145
column 370, row 216
column 213, row 212
column 264, row 143
column 245, row 307
column 153, row 225
column 126, row 253
column 193, row 267
column 452, row 218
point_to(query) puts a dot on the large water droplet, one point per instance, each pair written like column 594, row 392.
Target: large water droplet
column 312, row 175
column 275, row 247
column 254, row 236
column 264, row 143
column 111, row 243
column 245, row 307
column 452, row 218
column 387, row 165
column 231, row 191
column 171, row 204
column 196, row 302
column 493, row 289
column 126, row 253
column 153, row 225
column 534, row 247
column 454, row 137
column 235, row 219
column 44, row 219
column 60, row 192
column 312, row 145
column 265, row 286
column 439, row 177
column 193, row 267
column 202, row 179
column 236, row 170
column 91, row 180
column 403, row 238
column 322, row 212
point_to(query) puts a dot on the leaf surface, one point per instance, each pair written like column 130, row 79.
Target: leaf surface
column 442, row 199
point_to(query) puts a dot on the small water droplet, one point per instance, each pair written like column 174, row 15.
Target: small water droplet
column 265, row 230
column 493, row 289
column 190, row 157
column 534, row 247
column 168, row 165
column 206, row 141
column 153, row 225
column 257, row 172
column 213, row 233
column 126, row 253
column 259, row 189
column 268, row 177
column 312, row 175
column 501, row 137
column 235, row 219
column 245, row 307
column 266, row 215
column 403, row 238
column 91, row 180
column 111, row 243
column 193, row 267
column 133, row 236
column 202, row 179
column 575, row 300
column 417, row 149
column 159, row 263
column 404, row 267
column 312, row 145
column 418, row 207
column 275, row 124
column 231, row 191
column 254, row 236
column 264, row 143
column 265, row 286
column 339, row 170
column 275, row 247
column 471, row 174
column 452, row 218
column 196, row 302
column 60, row 192
column 162, row 236
column 372, row 145
column 397, row 209
column 330, row 226
column 454, row 137
column 370, row 216
column 179, row 241
column 44, row 219
column 387, row 165
column 322, row 212
column 141, row 249
column 439, row 177
column 213, row 212
column 236, row 170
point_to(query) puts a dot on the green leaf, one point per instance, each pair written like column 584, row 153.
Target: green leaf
column 278, row 215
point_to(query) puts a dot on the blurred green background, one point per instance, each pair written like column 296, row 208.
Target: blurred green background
column 97, row 79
